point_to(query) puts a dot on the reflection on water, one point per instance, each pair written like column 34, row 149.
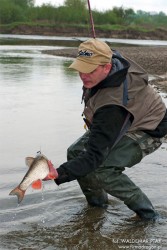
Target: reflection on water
column 40, row 109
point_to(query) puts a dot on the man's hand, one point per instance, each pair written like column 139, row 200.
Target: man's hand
column 52, row 175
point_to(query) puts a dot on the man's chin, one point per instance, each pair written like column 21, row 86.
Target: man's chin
column 87, row 85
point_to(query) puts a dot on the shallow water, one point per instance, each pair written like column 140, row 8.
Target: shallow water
column 40, row 110
column 56, row 40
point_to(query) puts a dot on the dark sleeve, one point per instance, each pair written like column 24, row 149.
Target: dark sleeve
column 105, row 128
column 161, row 129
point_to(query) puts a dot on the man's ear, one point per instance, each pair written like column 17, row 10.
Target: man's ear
column 108, row 67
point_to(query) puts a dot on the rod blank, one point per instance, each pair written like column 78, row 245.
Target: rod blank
column 91, row 20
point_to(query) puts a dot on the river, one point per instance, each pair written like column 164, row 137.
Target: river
column 40, row 110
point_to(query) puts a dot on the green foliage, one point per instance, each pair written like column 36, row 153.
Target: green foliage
column 23, row 3
column 45, row 12
column 10, row 12
column 14, row 10
column 76, row 4
column 69, row 14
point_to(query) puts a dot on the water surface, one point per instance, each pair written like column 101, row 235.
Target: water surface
column 73, row 41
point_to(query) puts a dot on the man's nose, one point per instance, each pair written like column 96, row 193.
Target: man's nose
column 83, row 75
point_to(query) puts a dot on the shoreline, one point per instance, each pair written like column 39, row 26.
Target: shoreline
column 152, row 58
column 64, row 30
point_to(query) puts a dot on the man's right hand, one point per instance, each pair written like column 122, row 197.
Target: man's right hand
column 53, row 174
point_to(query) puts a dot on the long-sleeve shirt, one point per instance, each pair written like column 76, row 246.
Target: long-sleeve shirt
column 105, row 128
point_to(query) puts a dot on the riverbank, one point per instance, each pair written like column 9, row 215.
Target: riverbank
column 80, row 31
column 152, row 58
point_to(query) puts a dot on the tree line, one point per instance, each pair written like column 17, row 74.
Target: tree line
column 75, row 12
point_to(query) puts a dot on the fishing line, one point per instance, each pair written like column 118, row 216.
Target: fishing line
column 91, row 20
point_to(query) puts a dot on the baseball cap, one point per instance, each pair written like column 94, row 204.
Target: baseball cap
column 91, row 54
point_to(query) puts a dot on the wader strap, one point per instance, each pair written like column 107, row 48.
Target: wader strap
column 127, row 122
column 125, row 92
column 124, row 129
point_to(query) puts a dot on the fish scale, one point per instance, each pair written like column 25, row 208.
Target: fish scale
column 40, row 172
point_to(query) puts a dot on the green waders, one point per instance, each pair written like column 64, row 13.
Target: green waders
column 108, row 178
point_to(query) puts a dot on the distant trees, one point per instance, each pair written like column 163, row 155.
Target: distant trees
column 75, row 12
column 14, row 10
column 24, row 3
column 118, row 15
column 76, row 4
column 10, row 12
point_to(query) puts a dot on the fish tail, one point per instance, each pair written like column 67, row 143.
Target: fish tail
column 20, row 193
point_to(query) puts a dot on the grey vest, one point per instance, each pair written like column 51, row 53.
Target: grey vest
column 144, row 103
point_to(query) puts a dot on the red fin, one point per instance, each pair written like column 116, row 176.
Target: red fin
column 20, row 193
column 51, row 176
column 52, row 171
column 37, row 184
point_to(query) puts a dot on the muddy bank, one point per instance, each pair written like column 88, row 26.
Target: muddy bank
column 152, row 59
column 66, row 31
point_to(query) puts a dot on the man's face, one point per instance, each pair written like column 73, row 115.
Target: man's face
column 92, row 79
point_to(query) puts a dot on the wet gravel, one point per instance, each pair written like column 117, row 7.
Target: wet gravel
column 152, row 59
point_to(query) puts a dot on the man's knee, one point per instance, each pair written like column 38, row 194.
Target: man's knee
column 77, row 147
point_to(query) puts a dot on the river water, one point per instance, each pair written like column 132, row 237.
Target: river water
column 40, row 110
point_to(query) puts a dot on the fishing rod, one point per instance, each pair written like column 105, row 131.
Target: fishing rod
column 91, row 20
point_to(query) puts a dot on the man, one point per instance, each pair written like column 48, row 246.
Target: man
column 126, row 120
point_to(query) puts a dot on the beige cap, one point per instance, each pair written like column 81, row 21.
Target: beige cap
column 91, row 54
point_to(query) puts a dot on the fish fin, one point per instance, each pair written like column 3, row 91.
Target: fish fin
column 20, row 193
column 51, row 176
column 52, row 171
column 37, row 184
column 29, row 161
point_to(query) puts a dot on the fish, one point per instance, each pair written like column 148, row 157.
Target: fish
column 40, row 168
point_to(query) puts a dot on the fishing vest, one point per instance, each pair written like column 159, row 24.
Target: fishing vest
column 142, row 101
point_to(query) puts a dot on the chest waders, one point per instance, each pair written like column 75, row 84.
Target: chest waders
column 128, row 150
